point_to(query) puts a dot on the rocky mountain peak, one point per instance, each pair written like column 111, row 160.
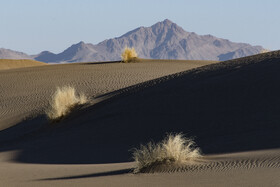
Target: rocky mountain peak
column 163, row 40
column 167, row 26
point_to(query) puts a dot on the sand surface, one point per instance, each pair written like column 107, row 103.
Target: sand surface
column 230, row 108
column 27, row 91
column 259, row 168
column 21, row 63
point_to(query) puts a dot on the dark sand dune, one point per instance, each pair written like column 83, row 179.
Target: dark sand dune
column 228, row 107
column 25, row 92
column 231, row 106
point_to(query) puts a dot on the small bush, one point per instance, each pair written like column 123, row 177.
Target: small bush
column 173, row 152
column 63, row 101
column 264, row 51
column 129, row 55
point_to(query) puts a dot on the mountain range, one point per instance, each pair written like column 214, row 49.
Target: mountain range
column 163, row 40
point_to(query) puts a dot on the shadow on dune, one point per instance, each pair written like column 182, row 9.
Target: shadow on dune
column 228, row 107
column 23, row 130
column 102, row 174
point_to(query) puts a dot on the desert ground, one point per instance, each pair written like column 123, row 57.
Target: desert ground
column 13, row 64
column 231, row 109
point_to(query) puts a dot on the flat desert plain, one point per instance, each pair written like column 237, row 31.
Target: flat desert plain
column 231, row 110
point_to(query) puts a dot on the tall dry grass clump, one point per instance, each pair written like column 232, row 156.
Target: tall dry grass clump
column 173, row 152
column 63, row 101
column 129, row 55
column 264, row 51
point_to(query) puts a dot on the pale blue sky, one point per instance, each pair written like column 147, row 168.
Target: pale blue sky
column 32, row 26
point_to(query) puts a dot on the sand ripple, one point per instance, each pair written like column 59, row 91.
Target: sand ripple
column 224, row 163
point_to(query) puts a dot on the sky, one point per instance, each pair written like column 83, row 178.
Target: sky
column 32, row 26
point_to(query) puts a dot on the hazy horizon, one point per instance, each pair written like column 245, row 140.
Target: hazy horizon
column 33, row 26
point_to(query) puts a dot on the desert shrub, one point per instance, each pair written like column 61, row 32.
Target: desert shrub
column 63, row 101
column 129, row 55
column 173, row 152
column 264, row 51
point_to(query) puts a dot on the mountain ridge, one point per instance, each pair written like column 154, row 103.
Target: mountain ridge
column 163, row 40
column 11, row 54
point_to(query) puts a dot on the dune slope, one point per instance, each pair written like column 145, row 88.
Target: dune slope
column 19, row 63
column 227, row 107
column 26, row 92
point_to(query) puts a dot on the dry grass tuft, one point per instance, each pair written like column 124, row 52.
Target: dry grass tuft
column 264, row 51
column 129, row 55
column 173, row 152
column 64, row 100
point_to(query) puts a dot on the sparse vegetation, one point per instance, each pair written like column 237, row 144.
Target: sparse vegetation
column 129, row 55
column 265, row 51
column 64, row 100
column 174, row 151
